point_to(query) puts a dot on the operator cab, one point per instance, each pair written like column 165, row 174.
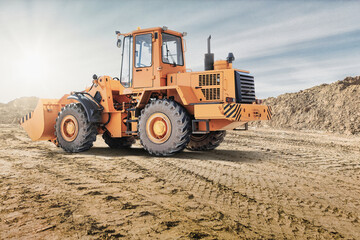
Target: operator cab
column 148, row 55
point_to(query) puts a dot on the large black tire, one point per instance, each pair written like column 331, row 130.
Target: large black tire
column 177, row 131
column 206, row 142
column 123, row 142
column 84, row 132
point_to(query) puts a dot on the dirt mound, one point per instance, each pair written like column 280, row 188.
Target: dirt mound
column 259, row 184
column 14, row 110
column 328, row 107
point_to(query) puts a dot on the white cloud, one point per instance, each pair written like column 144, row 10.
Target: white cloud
column 77, row 39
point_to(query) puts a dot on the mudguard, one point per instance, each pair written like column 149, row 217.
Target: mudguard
column 92, row 108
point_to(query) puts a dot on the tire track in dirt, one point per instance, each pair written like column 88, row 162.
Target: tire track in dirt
column 252, row 187
column 286, row 157
column 64, row 169
column 291, row 177
column 326, row 153
column 251, row 203
column 310, row 205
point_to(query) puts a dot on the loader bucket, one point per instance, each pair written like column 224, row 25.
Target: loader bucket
column 40, row 123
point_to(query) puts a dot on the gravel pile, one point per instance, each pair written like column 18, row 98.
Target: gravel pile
column 14, row 110
column 328, row 107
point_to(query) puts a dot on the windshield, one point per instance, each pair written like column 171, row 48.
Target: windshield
column 126, row 62
column 172, row 49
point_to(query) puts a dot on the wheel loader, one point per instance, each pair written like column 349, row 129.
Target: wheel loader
column 155, row 99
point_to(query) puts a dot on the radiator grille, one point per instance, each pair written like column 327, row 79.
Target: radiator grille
column 211, row 85
column 245, row 89
column 209, row 79
column 211, row 93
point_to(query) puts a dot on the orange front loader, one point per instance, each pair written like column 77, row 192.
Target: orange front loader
column 154, row 99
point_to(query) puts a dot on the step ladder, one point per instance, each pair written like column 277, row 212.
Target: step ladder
column 131, row 118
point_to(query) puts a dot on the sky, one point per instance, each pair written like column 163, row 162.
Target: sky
column 50, row 48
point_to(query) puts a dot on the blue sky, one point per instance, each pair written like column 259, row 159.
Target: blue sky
column 49, row 48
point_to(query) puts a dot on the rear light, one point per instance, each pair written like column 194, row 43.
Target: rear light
column 230, row 100
column 259, row 101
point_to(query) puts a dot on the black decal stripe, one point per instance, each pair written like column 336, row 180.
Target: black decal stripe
column 237, row 112
column 229, row 109
column 238, row 119
column 227, row 105
column 269, row 108
column 269, row 114
column 239, row 115
column 232, row 112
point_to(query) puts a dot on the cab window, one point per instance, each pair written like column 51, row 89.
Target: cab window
column 143, row 50
column 126, row 62
column 172, row 50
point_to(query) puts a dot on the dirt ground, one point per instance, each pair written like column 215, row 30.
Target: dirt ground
column 258, row 184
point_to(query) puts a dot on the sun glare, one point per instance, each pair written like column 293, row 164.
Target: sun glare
column 32, row 66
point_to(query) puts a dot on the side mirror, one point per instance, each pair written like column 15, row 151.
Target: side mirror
column 118, row 43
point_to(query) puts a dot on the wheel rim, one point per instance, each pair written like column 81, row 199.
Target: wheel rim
column 158, row 128
column 69, row 128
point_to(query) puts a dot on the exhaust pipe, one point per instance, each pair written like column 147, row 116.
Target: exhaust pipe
column 209, row 57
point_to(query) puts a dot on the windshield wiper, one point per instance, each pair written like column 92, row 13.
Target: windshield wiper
column 167, row 56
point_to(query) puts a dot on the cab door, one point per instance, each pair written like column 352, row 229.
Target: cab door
column 143, row 61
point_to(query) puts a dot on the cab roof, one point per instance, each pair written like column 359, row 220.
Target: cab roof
column 154, row 29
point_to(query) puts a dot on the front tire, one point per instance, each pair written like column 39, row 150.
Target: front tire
column 206, row 142
column 164, row 127
column 118, row 143
column 73, row 131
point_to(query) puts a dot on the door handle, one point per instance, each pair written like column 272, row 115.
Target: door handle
column 138, row 70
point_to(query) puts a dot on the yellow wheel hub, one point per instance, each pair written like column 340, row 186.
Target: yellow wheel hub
column 158, row 128
column 69, row 128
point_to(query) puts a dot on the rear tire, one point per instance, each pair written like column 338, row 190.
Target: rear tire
column 206, row 142
column 119, row 143
column 74, row 132
column 164, row 127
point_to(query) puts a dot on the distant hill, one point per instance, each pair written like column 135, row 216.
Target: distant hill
column 12, row 111
column 329, row 107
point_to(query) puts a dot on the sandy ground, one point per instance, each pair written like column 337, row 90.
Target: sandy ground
column 258, row 184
